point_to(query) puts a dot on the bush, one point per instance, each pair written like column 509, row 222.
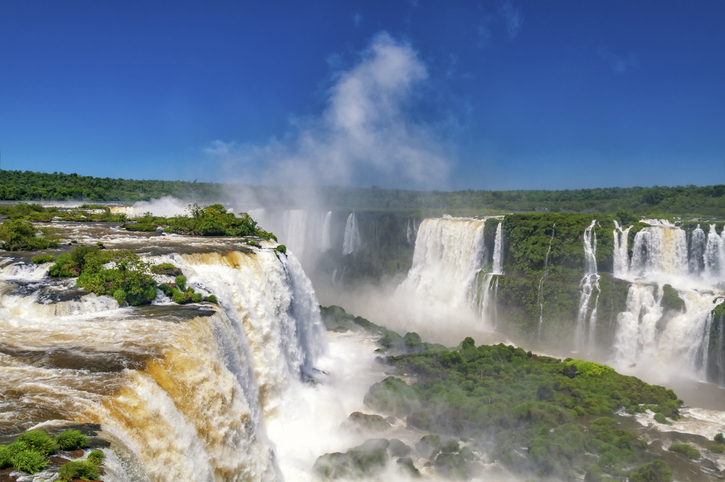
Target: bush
column 147, row 228
column 179, row 297
column 281, row 249
column 19, row 235
column 659, row 418
column 211, row 299
column 180, row 282
column 197, row 298
column 686, row 450
column 5, row 457
column 71, row 440
column 167, row 269
column 716, row 449
column 79, row 470
column 45, row 258
column 96, row 457
column 28, row 461
column 37, row 441
column 655, row 471
column 719, row 438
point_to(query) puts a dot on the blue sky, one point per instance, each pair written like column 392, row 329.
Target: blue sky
column 411, row 94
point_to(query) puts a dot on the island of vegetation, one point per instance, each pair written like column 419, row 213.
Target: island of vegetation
column 557, row 420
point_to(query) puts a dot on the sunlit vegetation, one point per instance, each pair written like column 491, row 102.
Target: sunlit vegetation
column 19, row 235
column 680, row 200
column 36, row 212
column 30, row 451
column 128, row 280
column 562, row 413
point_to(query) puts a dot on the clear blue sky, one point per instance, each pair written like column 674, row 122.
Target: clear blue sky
column 416, row 94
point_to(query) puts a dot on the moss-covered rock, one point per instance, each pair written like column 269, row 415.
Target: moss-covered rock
column 362, row 421
column 365, row 460
column 393, row 396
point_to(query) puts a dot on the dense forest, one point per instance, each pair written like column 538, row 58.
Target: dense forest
column 656, row 200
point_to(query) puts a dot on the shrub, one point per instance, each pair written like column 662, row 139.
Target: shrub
column 96, row 457
column 5, row 457
column 180, row 282
column 179, row 297
column 686, row 450
column 28, row 461
column 45, row 258
column 281, row 249
column 167, row 269
column 657, row 470
column 37, row 441
column 79, row 470
column 717, row 449
column 142, row 227
column 196, row 298
column 71, row 440
column 659, row 418
column 120, row 296
column 211, row 299
column 719, row 438
column 19, row 235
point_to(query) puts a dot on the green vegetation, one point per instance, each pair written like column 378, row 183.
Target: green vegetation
column 71, row 440
column 214, row 220
column 681, row 200
column 28, row 461
column 719, row 438
column 337, row 319
column 367, row 460
column 79, row 469
column 716, row 449
column 671, row 299
column 19, row 235
column 29, row 452
column 512, row 398
column 655, row 471
column 36, row 212
column 167, row 269
column 45, row 258
column 372, row 423
column 129, row 280
column 96, row 457
column 686, row 450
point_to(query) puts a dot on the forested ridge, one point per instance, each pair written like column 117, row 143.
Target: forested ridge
column 678, row 200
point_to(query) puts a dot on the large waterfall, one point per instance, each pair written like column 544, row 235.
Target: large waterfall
column 185, row 389
column 650, row 331
column 450, row 268
column 588, row 284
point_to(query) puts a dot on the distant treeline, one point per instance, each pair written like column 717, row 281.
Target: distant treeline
column 680, row 200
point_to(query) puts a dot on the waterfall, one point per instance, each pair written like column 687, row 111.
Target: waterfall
column 620, row 253
column 714, row 257
column 411, row 231
column 326, row 241
column 351, row 240
column 589, row 282
column 697, row 251
column 544, row 275
column 660, row 249
column 185, row 389
column 448, row 267
column 498, row 250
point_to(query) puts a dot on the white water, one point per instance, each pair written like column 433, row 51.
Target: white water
column 448, row 275
column 646, row 334
column 351, row 241
column 589, row 283
column 326, row 241
column 185, row 391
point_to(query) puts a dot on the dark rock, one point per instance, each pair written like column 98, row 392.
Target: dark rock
column 398, row 448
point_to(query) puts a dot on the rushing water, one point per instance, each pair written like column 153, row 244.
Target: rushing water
column 351, row 241
column 186, row 389
column 544, row 275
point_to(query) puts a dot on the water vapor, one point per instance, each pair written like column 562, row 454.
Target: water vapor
column 365, row 134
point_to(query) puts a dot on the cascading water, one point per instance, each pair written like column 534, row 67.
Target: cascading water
column 544, row 275
column 411, row 231
column 449, row 268
column 620, row 254
column 588, row 284
column 697, row 251
column 498, row 250
column 326, row 241
column 351, row 240
column 650, row 330
column 184, row 388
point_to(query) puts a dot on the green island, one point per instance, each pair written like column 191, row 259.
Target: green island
column 536, row 415
column 30, row 453
column 128, row 280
